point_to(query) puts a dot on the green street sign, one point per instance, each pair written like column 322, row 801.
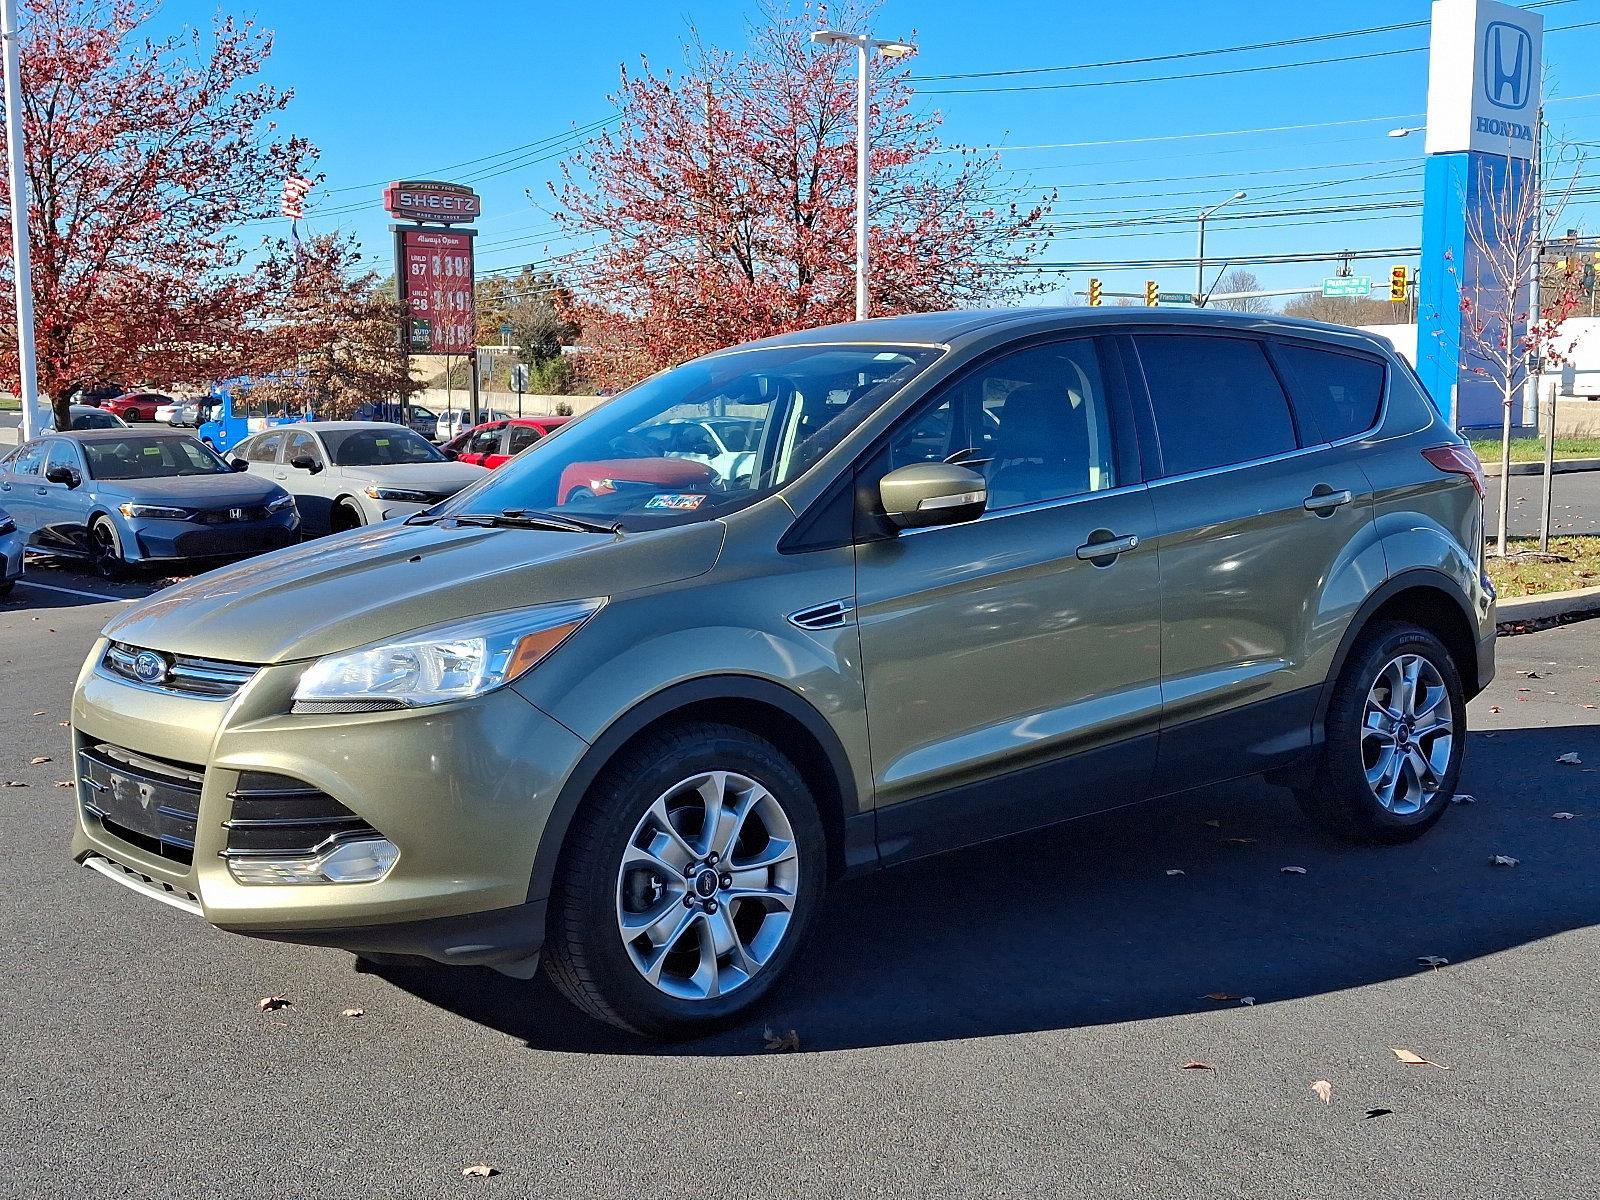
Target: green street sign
column 1347, row 285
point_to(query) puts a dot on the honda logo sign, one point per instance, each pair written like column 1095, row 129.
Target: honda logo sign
column 1507, row 65
column 1483, row 78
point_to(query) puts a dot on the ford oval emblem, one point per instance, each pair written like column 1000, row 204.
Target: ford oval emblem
column 150, row 667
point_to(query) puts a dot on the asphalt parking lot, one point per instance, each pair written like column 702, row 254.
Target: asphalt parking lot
column 1010, row 1021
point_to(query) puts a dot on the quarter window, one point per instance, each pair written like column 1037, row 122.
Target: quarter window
column 1342, row 391
column 1217, row 401
column 29, row 460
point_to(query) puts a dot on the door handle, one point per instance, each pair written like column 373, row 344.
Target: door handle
column 1108, row 548
column 1323, row 502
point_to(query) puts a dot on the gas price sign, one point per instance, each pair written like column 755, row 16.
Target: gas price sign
column 436, row 265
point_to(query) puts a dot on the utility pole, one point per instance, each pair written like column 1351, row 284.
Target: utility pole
column 864, row 44
column 17, row 181
column 1534, row 367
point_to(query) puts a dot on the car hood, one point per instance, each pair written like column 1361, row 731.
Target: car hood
column 354, row 588
column 217, row 491
column 435, row 477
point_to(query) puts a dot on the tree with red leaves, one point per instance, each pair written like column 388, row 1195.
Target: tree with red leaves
column 145, row 157
column 722, row 206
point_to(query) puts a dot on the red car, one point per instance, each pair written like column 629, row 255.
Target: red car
column 493, row 444
column 604, row 476
column 136, row 406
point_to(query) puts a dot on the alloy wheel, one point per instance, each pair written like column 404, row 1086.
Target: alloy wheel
column 707, row 885
column 1407, row 734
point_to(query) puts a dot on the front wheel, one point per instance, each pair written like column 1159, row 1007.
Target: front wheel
column 688, row 882
column 106, row 547
column 1395, row 732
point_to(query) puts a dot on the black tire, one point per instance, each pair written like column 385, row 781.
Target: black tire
column 106, row 546
column 345, row 516
column 586, row 957
column 5, row 587
column 1339, row 798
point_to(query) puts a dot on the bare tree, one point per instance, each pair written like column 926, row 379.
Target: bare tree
column 1224, row 294
column 1340, row 310
column 1504, row 340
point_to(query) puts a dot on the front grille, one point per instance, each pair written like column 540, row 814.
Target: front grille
column 236, row 541
column 229, row 516
column 145, row 802
column 276, row 816
column 182, row 673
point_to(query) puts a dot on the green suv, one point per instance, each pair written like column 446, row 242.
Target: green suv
column 628, row 713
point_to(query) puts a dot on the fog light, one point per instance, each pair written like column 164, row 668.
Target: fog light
column 349, row 862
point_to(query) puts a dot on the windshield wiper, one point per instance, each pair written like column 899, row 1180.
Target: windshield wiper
column 518, row 518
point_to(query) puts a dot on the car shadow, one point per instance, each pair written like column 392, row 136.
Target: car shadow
column 1143, row 913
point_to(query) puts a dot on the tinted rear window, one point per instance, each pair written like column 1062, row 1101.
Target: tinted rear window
column 1216, row 400
column 1341, row 391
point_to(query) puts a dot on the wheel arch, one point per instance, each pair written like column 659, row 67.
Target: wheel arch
column 1424, row 597
column 758, row 705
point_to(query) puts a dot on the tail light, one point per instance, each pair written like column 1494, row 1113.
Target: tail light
column 1456, row 459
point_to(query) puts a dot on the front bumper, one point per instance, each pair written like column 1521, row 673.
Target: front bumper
column 464, row 790
column 148, row 539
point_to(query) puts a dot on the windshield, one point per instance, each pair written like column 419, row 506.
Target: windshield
column 94, row 418
column 648, row 457
column 383, row 446
column 147, row 457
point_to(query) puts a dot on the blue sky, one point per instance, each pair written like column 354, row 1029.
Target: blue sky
column 389, row 91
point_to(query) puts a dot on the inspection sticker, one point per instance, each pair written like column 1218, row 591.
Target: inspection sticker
column 675, row 500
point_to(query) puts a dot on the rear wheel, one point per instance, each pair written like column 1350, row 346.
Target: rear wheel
column 105, row 545
column 1395, row 732
column 688, row 882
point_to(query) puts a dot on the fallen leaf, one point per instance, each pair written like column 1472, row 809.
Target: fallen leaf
column 1570, row 759
column 1561, row 816
column 1503, row 860
column 1174, row 871
column 13, row 783
column 1463, row 798
column 1215, row 824
column 41, row 712
column 1292, row 870
column 1219, row 997
column 1238, row 841
column 1378, row 1112
column 63, row 724
column 479, row 1171
column 38, row 760
column 1494, row 708
column 1588, row 706
column 789, row 1041
column 1433, row 960
column 1324, row 1090
column 1531, row 674
column 1247, row 1000
column 1412, row 1059
column 66, row 783
column 354, row 1012
column 1196, row 1065
column 273, row 1003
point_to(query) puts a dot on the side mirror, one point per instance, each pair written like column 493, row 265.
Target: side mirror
column 304, row 462
column 63, row 475
column 924, row 494
column 238, row 464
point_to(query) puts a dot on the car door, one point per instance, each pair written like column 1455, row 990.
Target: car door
column 518, row 439
column 313, row 488
column 18, row 485
column 64, row 509
column 485, row 441
column 1012, row 673
column 1255, row 518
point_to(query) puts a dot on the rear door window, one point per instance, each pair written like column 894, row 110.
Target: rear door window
column 1217, row 401
column 1342, row 392
column 522, row 436
column 265, row 449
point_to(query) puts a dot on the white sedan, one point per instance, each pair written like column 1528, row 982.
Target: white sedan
column 455, row 421
column 179, row 412
column 345, row 474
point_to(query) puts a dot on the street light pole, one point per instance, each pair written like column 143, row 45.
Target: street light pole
column 864, row 44
column 1200, row 250
column 17, row 180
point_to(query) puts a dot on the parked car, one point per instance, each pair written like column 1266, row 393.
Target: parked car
column 180, row 412
column 1056, row 560
column 136, row 406
column 11, row 543
column 423, row 420
column 725, row 444
column 98, row 394
column 493, row 445
column 344, row 474
column 118, row 497
column 453, row 422
column 87, row 416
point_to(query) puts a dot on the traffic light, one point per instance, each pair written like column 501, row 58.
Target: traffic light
column 1094, row 293
column 1152, row 293
column 1397, row 285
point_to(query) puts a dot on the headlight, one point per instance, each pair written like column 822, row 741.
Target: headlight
column 7, row 525
column 281, row 503
column 159, row 511
column 450, row 662
column 408, row 495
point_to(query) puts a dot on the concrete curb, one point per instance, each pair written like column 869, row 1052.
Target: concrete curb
column 1562, row 467
column 1551, row 604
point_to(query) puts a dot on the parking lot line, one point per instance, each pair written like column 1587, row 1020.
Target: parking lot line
column 52, row 587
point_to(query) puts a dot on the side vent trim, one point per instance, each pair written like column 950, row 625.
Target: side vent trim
column 833, row 615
